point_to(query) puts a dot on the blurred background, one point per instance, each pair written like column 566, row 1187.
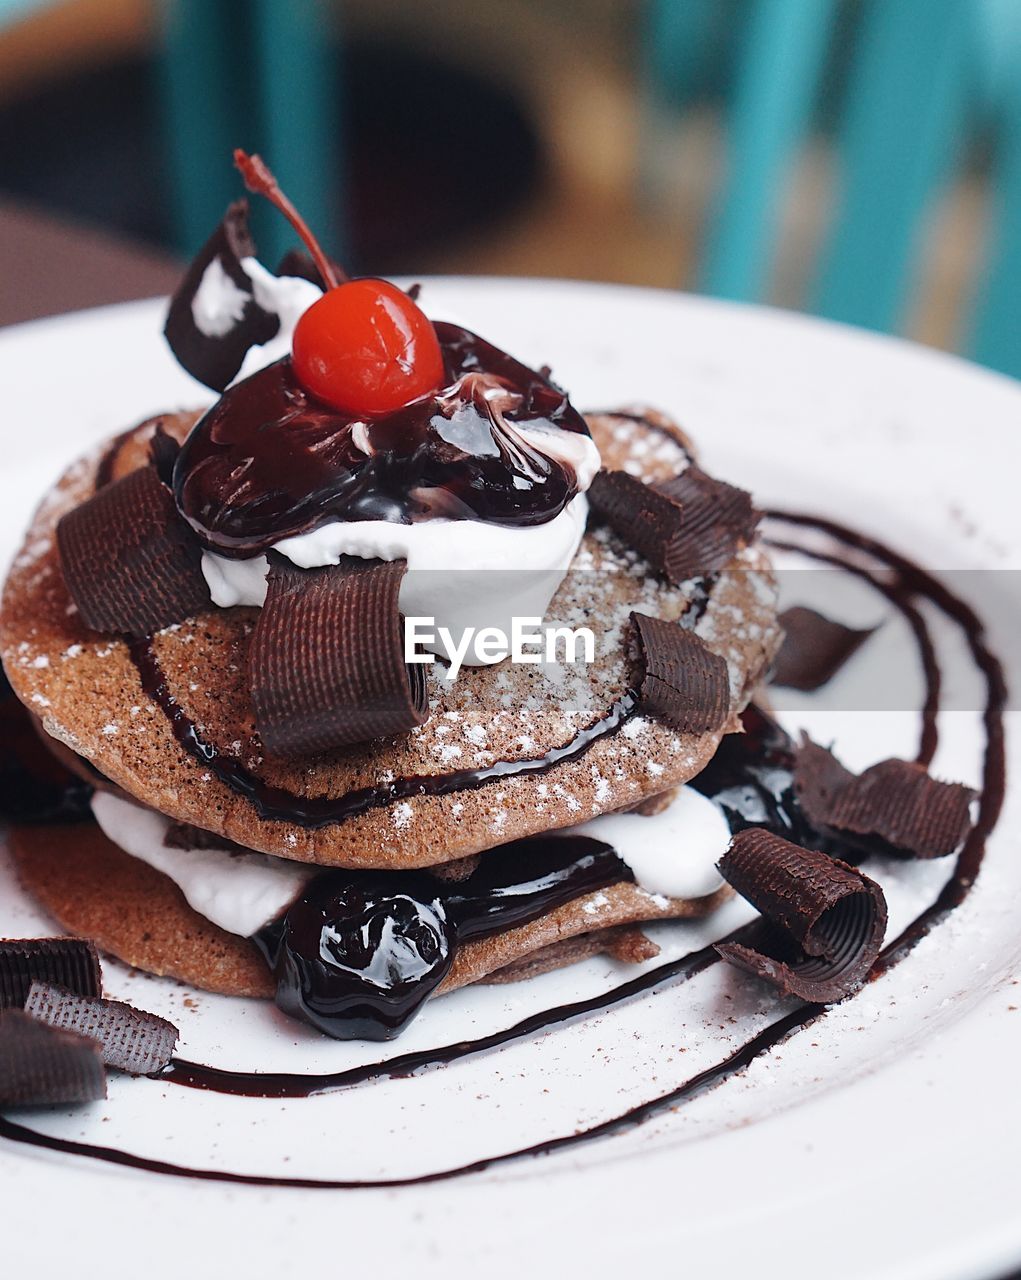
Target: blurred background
column 860, row 159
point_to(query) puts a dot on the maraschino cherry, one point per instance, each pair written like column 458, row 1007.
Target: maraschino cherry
column 364, row 347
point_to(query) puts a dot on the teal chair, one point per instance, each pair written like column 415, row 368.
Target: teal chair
column 922, row 77
column 259, row 74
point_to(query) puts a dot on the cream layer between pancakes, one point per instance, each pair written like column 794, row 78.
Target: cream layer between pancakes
column 673, row 854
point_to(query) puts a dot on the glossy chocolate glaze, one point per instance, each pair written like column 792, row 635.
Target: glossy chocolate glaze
column 269, row 460
column 913, row 579
column 285, row 1084
column 359, row 953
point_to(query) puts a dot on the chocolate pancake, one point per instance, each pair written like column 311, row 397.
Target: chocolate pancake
column 507, row 751
column 95, row 890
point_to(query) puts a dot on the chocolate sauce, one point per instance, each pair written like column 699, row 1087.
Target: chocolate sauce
column 34, row 786
column 900, row 596
column 269, row 460
column 692, row 1088
column 648, row 420
column 276, row 804
column 968, row 863
column 264, row 1084
column 751, row 779
column 359, row 953
column 994, row 766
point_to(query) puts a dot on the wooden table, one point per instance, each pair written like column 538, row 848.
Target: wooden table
column 48, row 266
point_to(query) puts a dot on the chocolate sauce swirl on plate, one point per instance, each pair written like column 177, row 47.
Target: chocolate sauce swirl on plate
column 910, row 580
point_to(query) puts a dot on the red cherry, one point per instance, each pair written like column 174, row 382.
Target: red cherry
column 365, row 347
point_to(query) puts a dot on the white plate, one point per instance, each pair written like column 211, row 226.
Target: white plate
column 881, row 1143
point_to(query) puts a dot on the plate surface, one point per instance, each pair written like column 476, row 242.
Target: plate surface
column 883, row 1141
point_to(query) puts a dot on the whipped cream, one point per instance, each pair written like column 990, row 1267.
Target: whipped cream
column 466, row 575
column 461, row 573
column 673, row 853
column 218, row 304
column 240, row 892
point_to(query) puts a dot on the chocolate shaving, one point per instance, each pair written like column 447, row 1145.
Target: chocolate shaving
column 130, row 561
column 681, row 679
column 296, row 262
column 685, row 527
column 814, row 649
column 326, row 664
column 895, row 800
column 163, row 451
column 129, row 1039
column 41, row 1066
column 824, row 921
column 71, row 962
column 213, row 347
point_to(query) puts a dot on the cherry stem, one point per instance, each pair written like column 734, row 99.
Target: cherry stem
column 261, row 182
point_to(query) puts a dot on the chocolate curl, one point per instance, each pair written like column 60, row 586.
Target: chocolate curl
column 129, row 1039
column 684, row 527
column 895, row 800
column 71, row 962
column 326, row 664
column 814, row 649
column 824, row 921
column 130, row 561
column 214, row 318
column 41, row 1067
column 681, row 679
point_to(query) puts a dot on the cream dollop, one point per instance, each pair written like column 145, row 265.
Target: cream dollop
column 240, row 892
column 463, row 574
column 674, row 852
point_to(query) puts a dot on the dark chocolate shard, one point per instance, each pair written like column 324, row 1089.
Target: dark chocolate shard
column 719, row 519
column 681, row 679
column 685, row 527
column 814, row 649
column 894, row 800
column 824, row 921
column 214, row 318
column 41, row 1066
column 71, row 962
column 130, row 561
column 163, row 451
column 130, row 1040
column 296, row 262
column 326, row 664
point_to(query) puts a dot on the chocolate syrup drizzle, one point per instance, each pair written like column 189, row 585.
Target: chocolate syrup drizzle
column 280, row 805
column 359, row 952
column 909, row 579
column 270, row 461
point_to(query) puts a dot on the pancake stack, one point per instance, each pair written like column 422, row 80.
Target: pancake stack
column 402, row 834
